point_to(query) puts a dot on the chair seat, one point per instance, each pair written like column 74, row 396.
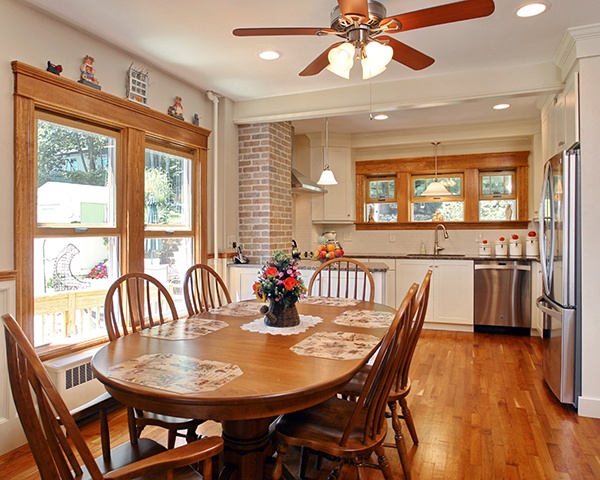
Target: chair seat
column 321, row 427
column 127, row 453
column 353, row 387
column 166, row 421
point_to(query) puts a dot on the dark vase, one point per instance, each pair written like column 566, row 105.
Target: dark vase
column 278, row 315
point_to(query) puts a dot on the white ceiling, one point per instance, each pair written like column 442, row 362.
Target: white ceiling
column 192, row 39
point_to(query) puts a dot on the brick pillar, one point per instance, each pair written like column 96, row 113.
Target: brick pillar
column 265, row 196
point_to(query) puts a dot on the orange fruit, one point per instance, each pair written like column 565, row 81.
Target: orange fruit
column 330, row 247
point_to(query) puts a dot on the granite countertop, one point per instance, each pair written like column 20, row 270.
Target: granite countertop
column 308, row 264
column 443, row 256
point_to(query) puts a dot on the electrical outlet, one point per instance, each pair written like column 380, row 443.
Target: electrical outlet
column 230, row 241
column 392, row 237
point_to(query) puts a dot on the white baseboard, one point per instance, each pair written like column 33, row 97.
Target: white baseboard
column 589, row 407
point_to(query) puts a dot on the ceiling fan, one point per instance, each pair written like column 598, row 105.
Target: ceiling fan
column 364, row 26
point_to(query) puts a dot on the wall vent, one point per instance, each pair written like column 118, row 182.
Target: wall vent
column 74, row 378
column 78, row 375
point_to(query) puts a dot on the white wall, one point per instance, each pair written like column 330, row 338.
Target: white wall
column 589, row 69
column 28, row 36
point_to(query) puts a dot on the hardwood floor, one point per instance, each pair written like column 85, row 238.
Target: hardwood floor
column 481, row 408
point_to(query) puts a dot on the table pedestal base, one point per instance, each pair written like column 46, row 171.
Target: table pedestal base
column 247, row 447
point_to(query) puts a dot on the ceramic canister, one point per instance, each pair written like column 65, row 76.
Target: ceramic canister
column 485, row 250
column 501, row 249
column 515, row 249
column 532, row 247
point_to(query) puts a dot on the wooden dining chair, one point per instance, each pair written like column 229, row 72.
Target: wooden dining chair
column 343, row 277
column 57, row 444
column 203, row 289
column 134, row 302
column 401, row 385
column 351, row 431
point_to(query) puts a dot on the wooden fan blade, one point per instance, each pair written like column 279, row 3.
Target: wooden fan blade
column 354, row 8
column 319, row 63
column 263, row 32
column 452, row 12
column 407, row 55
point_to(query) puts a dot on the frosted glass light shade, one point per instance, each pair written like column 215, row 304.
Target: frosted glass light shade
column 341, row 59
column 327, row 177
column 435, row 189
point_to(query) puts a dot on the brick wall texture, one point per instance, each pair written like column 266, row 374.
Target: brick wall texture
column 265, row 198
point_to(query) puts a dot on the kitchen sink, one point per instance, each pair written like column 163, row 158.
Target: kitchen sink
column 431, row 255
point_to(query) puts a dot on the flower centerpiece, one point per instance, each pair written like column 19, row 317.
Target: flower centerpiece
column 279, row 282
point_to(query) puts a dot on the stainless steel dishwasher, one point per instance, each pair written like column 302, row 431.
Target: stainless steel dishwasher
column 503, row 296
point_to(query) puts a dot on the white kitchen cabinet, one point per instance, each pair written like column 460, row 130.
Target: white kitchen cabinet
column 451, row 293
column 560, row 119
column 337, row 204
column 242, row 277
column 240, row 281
column 390, row 291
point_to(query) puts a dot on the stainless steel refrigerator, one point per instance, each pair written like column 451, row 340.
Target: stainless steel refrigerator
column 560, row 258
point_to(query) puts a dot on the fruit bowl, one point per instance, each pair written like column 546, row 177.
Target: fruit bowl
column 328, row 251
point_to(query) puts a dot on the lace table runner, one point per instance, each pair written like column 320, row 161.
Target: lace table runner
column 176, row 373
column 336, row 345
column 184, row 329
column 258, row 325
column 365, row 319
column 238, row 309
column 330, row 301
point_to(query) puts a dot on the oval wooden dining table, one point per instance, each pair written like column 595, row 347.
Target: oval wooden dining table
column 273, row 379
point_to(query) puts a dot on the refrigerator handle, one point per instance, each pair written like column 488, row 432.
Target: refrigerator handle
column 541, row 304
column 546, row 259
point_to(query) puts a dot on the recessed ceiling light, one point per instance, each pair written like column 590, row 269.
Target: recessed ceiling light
column 501, row 106
column 532, row 9
column 269, row 55
column 380, row 116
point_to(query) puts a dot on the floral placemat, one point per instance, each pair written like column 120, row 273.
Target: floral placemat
column 258, row 325
column 337, row 345
column 365, row 319
column 176, row 373
column 184, row 329
column 238, row 309
column 330, row 301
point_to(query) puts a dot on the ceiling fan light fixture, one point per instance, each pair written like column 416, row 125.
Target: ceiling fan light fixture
column 342, row 56
column 376, row 57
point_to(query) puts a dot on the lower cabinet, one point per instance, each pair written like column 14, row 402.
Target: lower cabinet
column 241, row 278
column 390, row 290
column 451, row 295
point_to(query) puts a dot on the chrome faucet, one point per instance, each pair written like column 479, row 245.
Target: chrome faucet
column 436, row 246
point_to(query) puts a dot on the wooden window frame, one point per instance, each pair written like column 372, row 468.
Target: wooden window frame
column 468, row 165
column 38, row 90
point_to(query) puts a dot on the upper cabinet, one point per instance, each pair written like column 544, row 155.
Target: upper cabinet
column 337, row 204
column 561, row 118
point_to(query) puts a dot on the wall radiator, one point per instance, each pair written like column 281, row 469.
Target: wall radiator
column 74, row 379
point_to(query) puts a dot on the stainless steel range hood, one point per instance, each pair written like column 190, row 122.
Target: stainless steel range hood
column 302, row 184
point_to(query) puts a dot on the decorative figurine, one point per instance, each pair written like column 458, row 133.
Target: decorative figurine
column 88, row 73
column 508, row 212
column 176, row 110
column 137, row 85
column 53, row 68
column 437, row 216
column 371, row 214
column 196, row 119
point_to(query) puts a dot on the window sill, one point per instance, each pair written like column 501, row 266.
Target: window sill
column 499, row 225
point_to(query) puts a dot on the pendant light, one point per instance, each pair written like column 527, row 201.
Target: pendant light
column 435, row 188
column 327, row 177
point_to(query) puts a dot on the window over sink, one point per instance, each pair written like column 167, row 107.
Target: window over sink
column 487, row 187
